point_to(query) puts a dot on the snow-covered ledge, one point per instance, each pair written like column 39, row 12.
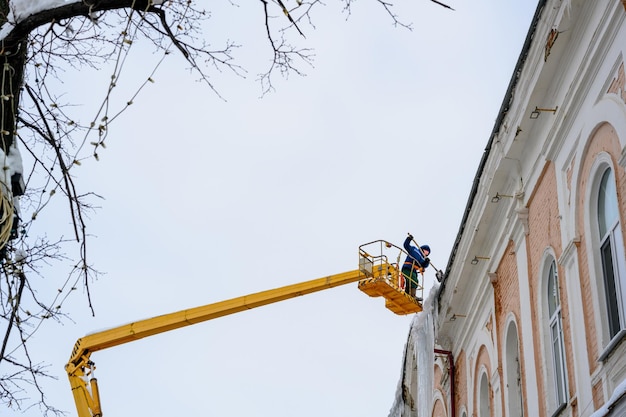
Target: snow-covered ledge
column 616, row 405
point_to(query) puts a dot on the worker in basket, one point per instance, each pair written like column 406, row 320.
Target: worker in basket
column 415, row 263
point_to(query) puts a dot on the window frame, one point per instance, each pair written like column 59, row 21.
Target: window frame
column 612, row 273
column 558, row 398
column 514, row 392
column 484, row 396
column 554, row 320
column 608, row 339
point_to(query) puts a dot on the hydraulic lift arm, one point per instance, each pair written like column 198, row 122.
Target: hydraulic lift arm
column 80, row 368
column 378, row 275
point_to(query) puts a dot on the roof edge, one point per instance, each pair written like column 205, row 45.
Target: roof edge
column 504, row 108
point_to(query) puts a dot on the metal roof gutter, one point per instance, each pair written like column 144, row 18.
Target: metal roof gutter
column 508, row 98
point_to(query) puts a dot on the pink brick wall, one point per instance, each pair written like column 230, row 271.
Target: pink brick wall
column 604, row 139
column 439, row 408
column 460, row 380
column 544, row 222
column 482, row 360
column 507, row 300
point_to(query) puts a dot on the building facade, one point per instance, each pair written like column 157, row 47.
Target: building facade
column 531, row 315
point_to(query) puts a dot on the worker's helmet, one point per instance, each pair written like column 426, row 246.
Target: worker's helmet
column 425, row 248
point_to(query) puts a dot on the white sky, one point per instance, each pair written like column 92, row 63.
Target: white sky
column 207, row 200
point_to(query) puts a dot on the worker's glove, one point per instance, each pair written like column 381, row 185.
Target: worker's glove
column 410, row 236
column 426, row 262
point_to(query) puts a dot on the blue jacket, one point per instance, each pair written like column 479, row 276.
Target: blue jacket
column 415, row 259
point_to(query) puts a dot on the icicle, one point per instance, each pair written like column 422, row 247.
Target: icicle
column 414, row 394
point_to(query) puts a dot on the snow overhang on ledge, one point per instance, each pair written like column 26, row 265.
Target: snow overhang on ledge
column 616, row 405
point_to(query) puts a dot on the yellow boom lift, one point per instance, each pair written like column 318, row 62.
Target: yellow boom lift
column 378, row 275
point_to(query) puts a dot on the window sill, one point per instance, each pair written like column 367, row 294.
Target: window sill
column 560, row 409
column 612, row 345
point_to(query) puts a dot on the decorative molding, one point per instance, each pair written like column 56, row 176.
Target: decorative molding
column 495, row 381
column 489, row 327
column 618, row 83
column 522, row 217
column 569, row 251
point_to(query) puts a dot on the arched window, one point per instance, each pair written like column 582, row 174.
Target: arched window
column 513, row 373
column 555, row 326
column 611, row 253
column 484, row 402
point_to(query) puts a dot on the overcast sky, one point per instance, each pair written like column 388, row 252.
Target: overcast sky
column 208, row 199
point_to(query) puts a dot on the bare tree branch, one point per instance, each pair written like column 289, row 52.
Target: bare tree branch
column 35, row 51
